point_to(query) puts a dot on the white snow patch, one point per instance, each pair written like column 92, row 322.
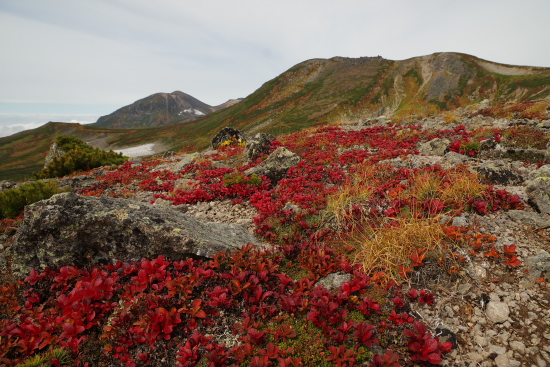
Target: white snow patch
column 139, row 151
column 192, row 110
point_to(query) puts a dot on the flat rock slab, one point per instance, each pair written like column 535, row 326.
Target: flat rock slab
column 81, row 231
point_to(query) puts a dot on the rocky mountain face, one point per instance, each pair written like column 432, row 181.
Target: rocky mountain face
column 341, row 89
column 157, row 110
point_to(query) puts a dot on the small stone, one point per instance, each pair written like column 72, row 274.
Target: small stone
column 497, row 349
column 476, row 357
column 540, row 362
column 502, row 361
column 464, row 288
column 504, row 336
column 497, row 312
column 481, row 341
column 518, row 346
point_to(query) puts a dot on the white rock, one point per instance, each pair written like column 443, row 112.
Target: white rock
column 502, row 361
column 497, row 312
column 518, row 346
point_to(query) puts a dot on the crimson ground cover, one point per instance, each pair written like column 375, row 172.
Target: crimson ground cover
column 258, row 307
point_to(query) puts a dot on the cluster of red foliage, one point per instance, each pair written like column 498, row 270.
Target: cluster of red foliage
column 139, row 310
column 147, row 311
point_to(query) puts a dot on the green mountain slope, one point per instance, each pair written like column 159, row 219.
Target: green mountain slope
column 314, row 92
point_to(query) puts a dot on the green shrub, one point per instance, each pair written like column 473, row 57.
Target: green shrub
column 78, row 156
column 13, row 201
column 237, row 178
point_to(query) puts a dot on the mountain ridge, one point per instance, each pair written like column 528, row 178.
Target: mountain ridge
column 316, row 91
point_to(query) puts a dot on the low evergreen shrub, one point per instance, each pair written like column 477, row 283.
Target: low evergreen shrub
column 13, row 201
column 78, row 156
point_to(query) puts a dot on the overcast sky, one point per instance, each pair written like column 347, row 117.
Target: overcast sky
column 77, row 60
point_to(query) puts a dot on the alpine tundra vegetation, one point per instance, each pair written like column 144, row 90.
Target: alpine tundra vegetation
column 400, row 218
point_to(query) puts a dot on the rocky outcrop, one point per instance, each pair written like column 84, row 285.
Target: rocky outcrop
column 69, row 229
column 538, row 266
column 437, row 146
column 276, row 165
column 257, row 146
column 538, row 189
column 529, row 218
column 7, row 184
column 55, row 152
column 500, row 172
column 229, row 134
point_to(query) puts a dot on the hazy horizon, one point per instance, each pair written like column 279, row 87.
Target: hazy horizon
column 80, row 57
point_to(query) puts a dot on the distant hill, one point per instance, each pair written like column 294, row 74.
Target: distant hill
column 313, row 92
column 159, row 109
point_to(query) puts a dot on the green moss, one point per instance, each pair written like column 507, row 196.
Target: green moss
column 237, row 178
column 307, row 344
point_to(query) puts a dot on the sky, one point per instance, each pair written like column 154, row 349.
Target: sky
column 67, row 60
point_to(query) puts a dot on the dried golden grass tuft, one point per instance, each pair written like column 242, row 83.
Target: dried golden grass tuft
column 452, row 186
column 358, row 189
column 384, row 249
column 451, row 117
column 538, row 110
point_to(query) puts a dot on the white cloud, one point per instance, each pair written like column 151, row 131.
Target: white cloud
column 118, row 51
column 12, row 123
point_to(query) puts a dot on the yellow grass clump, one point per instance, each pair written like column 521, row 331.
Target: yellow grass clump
column 452, row 186
column 358, row 189
column 451, row 117
column 385, row 249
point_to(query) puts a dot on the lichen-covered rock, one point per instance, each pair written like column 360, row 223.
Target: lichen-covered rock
column 529, row 218
column 538, row 266
column 55, row 152
column 538, row 189
column 258, row 145
column 437, row 146
column 500, row 172
column 69, row 229
column 334, row 281
column 229, row 134
column 7, row 184
column 276, row 165
column 487, row 144
column 456, row 158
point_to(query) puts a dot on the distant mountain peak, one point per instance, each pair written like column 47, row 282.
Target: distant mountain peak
column 159, row 109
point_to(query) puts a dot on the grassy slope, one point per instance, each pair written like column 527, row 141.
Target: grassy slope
column 310, row 93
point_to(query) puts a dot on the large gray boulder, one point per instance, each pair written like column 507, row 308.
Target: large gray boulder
column 69, row 229
column 276, row 165
column 437, row 146
column 259, row 144
column 538, row 189
column 229, row 134
column 7, row 184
